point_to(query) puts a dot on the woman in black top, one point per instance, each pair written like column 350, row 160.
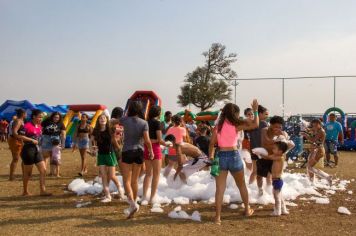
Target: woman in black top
column 153, row 164
column 81, row 141
column 52, row 128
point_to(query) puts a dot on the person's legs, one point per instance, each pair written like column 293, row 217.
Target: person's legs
column 127, row 176
column 336, row 158
column 83, row 154
column 240, row 183
column 112, row 176
column 327, row 153
column 27, row 171
column 57, row 170
column 42, row 170
column 136, row 170
column 168, row 168
column 46, row 156
column 15, row 159
column 277, row 203
column 220, row 182
column 157, row 164
column 148, row 178
column 105, row 181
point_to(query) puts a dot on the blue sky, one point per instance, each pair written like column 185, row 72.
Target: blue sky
column 102, row 51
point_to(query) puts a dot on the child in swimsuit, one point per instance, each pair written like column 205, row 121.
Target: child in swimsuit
column 278, row 151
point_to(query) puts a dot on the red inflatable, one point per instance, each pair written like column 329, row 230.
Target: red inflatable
column 87, row 107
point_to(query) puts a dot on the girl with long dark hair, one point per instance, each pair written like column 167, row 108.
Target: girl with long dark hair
column 135, row 136
column 226, row 135
column 104, row 142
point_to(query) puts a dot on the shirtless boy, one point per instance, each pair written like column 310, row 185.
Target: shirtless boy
column 199, row 159
column 278, row 151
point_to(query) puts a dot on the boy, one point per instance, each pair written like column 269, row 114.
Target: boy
column 199, row 161
column 56, row 157
column 278, row 151
column 202, row 142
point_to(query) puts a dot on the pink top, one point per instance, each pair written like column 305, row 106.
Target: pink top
column 56, row 153
column 178, row 133
column 228, row 136
column 33, row 131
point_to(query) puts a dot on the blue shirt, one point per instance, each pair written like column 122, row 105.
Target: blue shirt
column 332, row 130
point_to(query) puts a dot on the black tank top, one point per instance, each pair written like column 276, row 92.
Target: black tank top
column 104, row 142
column 83, row 131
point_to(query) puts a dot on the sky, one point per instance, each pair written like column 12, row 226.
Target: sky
column 85, row 51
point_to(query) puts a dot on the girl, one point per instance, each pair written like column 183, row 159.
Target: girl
column 30, row 133
column 52, row 128
column 135, row 135
column 104, row 142
column 153, row 166
column 225, row 135
column 82, row 140
column 15, row 141
column 180, row 133
column 317, row 138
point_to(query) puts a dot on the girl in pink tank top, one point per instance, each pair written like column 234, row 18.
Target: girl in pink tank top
column 226, row 135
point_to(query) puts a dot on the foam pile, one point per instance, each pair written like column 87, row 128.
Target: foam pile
column 201, row 187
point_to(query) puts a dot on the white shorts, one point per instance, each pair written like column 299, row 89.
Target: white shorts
column 195, row 165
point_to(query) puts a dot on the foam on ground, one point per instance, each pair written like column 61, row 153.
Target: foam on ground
column 201, row 187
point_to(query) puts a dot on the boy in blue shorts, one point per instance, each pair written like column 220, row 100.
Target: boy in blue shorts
column 279, row 149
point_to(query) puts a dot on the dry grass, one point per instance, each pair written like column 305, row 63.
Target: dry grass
column 57, row 215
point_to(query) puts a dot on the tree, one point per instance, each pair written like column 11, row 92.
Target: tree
column 208, row 84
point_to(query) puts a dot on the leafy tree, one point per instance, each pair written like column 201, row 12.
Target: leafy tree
column 208, row 84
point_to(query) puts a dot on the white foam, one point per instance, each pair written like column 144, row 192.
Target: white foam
column 343, row 210
column 179, row 215
column 196, row 216
column 157, row 210
column 234, row 206
column 79, row 205
column 201, row 187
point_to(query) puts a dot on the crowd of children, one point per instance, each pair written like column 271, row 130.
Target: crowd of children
column 142, row 147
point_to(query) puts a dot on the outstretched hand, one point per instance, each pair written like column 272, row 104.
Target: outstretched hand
column 254, row 105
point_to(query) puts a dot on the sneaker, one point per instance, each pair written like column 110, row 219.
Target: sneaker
column 285, row 211
column 106, row 200
column 132, row 210
column 144, row 203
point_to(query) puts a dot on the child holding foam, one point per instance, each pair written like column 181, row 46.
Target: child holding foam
column 277, row 156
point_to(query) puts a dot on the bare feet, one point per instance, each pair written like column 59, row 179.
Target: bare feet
column 26, row 194
column 217, row 221
column 249, row 212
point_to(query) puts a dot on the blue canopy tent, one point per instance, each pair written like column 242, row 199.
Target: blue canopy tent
column 8, row 108
column 61, row 108
column 44, row 107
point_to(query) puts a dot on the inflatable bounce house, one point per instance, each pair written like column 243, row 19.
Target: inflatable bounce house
column 8, row 108
column 209, row 116
column 72, row 118
column 147, row 98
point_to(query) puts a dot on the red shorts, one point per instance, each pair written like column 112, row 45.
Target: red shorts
column 156, row 147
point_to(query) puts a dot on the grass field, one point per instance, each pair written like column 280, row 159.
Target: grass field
column 57, row 215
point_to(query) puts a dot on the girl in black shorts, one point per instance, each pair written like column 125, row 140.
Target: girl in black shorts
column 31, row 133
column 135, row 135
